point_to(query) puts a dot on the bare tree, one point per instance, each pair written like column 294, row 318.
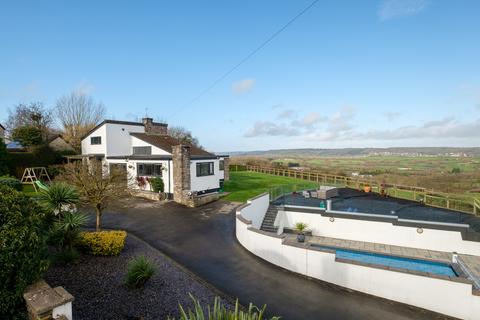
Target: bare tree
column 78, row 113
column 97, row 186
column 184, row 135
column 33, row 114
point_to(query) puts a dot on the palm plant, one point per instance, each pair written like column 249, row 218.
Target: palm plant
column 300, row 227
column 68, row 227
column 59, row 197
column 220, row 312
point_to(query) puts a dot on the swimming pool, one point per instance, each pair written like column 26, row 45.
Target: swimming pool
column 439, row 268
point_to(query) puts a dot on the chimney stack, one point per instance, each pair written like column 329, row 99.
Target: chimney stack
column 181, row 172
column 154, row 127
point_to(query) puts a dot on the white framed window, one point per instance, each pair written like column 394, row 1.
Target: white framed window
column 204, row 169
column 96, row 140
column 149, row 169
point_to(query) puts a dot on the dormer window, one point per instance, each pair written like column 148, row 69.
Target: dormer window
column 95, row 140
column 142, row 151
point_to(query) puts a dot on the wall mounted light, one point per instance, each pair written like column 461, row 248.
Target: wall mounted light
column 331, row 219
column 419, row 230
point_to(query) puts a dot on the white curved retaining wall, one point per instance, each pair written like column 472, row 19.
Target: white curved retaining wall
column 255, row 209
column 379, row 232
column 439, row 295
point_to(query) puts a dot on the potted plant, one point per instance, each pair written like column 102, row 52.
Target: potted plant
column 300, row 228
column 157, row 186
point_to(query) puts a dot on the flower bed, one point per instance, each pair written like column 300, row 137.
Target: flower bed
column 97, row 283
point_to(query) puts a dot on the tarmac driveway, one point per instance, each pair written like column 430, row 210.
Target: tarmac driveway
column 203, row 240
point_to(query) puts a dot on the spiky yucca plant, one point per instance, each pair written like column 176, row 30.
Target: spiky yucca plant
column 220, row 312
column 58, row 197
column 140, row 270
column 300, row 227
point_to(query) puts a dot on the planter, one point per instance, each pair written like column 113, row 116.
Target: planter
column 300, row 237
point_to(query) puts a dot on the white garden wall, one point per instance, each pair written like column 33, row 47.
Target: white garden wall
column 379, row 232
column 439, row 295
column 255, row 209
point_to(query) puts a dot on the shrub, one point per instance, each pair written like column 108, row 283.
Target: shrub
column 23, row 253
column 28, row 135
column 157, row 184
column 67, row 228
column 66, row 256
column 219, row 312
column 103, row 243
column 140, row 270
column 11, row 182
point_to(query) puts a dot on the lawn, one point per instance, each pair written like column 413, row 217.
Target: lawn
column 244, row 185
column 29, row 190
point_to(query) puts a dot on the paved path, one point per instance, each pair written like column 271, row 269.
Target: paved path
column 378, row 248
column 203, row 240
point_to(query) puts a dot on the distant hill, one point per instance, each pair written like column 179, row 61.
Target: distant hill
column 359, row 152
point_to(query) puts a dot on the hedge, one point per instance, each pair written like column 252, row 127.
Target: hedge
column 41, row 156
column 11, row 182
column 23, row 253
column 102, row 243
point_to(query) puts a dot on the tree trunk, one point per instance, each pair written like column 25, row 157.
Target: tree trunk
column 99, row 213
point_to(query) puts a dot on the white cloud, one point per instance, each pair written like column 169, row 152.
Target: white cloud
column 243, row 86
column 447, row 127
column 267, row 128
column 392, row 9
column 312, row 118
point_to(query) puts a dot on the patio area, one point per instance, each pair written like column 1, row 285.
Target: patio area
column 351, row 200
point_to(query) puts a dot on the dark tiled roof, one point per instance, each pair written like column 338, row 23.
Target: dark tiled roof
column 166, row 142
column 131, row 123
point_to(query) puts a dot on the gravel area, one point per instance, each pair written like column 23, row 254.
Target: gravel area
column 97, row 285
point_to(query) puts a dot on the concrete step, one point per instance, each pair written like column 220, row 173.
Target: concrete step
column 269, row 219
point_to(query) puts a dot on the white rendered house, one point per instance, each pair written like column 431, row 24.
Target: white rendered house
column 145, row 150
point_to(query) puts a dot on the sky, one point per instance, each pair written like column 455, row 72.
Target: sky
column 372, row 73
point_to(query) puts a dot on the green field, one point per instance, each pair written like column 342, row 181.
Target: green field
column 446, row 174
column 245, row 185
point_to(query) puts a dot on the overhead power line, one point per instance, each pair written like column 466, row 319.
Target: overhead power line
column 244, row 59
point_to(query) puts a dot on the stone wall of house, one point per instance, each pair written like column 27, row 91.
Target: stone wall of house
column 226, row 168
column 153, row 127
column 196, row 201
column 181, row 173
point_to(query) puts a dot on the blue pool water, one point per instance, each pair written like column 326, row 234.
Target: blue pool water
column 395, row 262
